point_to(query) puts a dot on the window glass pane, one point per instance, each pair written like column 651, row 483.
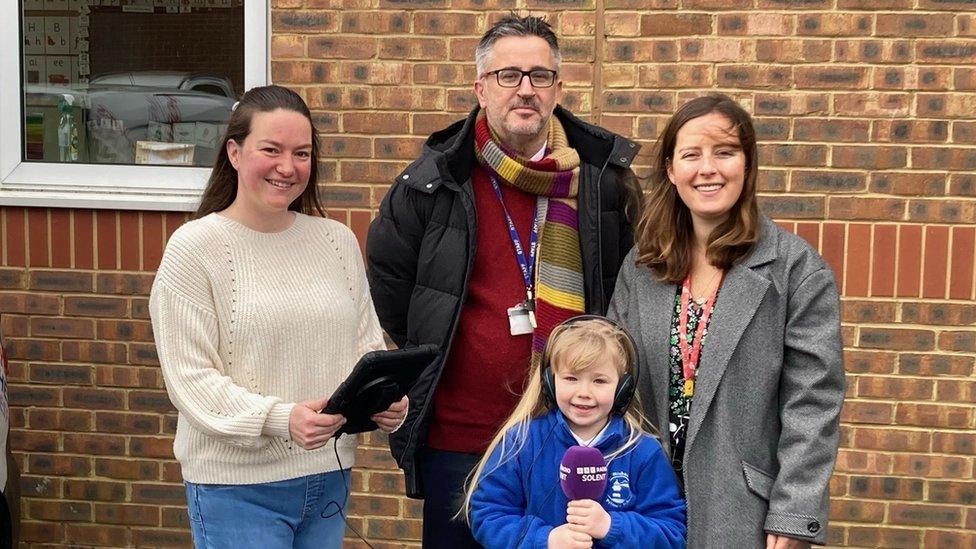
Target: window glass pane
column 129, row 81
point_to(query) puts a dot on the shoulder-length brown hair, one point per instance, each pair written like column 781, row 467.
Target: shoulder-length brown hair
column 665, row 236
column 222, row 186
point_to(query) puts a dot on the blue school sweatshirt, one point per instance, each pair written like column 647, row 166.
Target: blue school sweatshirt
column 516, row 504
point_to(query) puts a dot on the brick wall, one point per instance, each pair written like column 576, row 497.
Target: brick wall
column 867, row 113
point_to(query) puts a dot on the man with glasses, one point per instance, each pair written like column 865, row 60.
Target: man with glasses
column 510, row 222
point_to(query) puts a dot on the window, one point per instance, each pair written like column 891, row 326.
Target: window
column 121, row 103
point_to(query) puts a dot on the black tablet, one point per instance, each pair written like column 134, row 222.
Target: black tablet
column 378, row 380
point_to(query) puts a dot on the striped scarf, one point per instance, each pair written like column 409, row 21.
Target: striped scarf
column 555, row 181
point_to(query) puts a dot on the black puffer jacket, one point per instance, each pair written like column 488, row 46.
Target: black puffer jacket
column 421, row 247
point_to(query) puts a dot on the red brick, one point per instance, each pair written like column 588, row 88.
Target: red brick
column 152, row 240
column 896, row 538
column 876, row 413
column 75, row 328
column 287, row 46
column 137, row 515
column 807, row 51
column 869, row 362
column 834, row 24
column 98, row 535
column 935, row 262
column 943, row 538
column 963, row 340
column 963, row 256
column 59, row 420
column 886, row 439
column 74, row 511
column 933, row 415
column 953, row 443
column 94, row 306
column 887, row 488
column 93, row 351
column 883, row 262
column 867, row 209
column 872, row 104
column 37, row 227
column 894, row 388
column 944, row 51
column 107, row 242
column 127, row 469
column 49, row 464
column 935, row 364
column 94, row 444
column 909, row 260
column 15, row 243
column 160, row 538
column 676, row 25
column 925, row 515
column 915, row 26
column 908, row 184
column 930, row 466
column 858, row 260
column 297, row 21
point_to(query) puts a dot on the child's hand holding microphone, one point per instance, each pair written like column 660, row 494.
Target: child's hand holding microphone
column 583, row 478
column 588, row 516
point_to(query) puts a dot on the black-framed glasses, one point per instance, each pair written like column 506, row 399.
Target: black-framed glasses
column 512, row 78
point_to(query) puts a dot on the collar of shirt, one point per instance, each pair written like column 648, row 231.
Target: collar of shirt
column 593, row 441
column 541, row 154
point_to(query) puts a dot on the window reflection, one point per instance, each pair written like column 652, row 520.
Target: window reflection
column 130, row 81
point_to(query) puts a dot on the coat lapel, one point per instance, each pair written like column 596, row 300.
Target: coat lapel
column 742, row 291
column 656, row 305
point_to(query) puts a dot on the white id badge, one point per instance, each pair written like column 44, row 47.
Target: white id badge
column 518, row 320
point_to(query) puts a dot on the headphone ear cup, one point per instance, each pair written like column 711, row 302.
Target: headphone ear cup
column 549, row 386
column 624, row 393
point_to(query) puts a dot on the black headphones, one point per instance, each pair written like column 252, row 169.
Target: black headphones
column 627, row 384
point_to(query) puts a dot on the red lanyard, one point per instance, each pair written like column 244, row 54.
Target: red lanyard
column 691, row 354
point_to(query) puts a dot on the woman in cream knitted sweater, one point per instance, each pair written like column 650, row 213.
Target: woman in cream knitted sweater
column 259, row 312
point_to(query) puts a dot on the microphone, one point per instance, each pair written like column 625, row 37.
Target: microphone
column 583, row 473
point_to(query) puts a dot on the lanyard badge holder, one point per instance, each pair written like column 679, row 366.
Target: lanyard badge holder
column 521, row 317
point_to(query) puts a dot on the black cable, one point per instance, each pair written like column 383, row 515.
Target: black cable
column 339, row 507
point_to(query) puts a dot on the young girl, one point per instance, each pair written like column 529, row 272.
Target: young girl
column 514, row 499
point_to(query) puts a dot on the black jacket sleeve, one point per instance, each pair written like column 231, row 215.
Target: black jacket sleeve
column 392, row 249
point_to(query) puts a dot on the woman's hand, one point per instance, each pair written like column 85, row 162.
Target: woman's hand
column 589, row 516
column 311, row 429
column 393, row 417
column 569, row 537
column 775, row 541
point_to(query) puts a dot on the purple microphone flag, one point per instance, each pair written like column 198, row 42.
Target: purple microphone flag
column 583, row 473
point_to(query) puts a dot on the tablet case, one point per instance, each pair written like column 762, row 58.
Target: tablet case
column 379, row 379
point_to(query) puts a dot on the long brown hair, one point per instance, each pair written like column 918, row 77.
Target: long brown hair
column 222, row 186
column 665, row 236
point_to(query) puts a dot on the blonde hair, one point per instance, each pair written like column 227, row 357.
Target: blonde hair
column 577, row 346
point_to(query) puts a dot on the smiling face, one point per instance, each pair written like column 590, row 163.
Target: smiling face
column 273, row 163
column 520, row 115
column 585, row 394
column 708, row 168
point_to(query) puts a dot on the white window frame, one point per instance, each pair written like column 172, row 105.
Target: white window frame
column 104, row 186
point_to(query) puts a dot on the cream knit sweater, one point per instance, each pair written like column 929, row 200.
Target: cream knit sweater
column 246, row 325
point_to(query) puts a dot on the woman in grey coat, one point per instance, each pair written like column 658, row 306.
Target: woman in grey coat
column 738, row 329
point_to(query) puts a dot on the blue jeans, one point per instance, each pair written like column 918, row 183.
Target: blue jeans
column 302, row 513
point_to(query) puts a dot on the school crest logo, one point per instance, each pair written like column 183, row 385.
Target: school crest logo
column 619, row 494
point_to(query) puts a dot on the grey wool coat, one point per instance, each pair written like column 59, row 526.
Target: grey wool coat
column 763, row 433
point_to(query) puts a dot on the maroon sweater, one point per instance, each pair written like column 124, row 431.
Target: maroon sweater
column 487, row 366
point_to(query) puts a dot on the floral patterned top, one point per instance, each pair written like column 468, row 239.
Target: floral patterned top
column 679, row 406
